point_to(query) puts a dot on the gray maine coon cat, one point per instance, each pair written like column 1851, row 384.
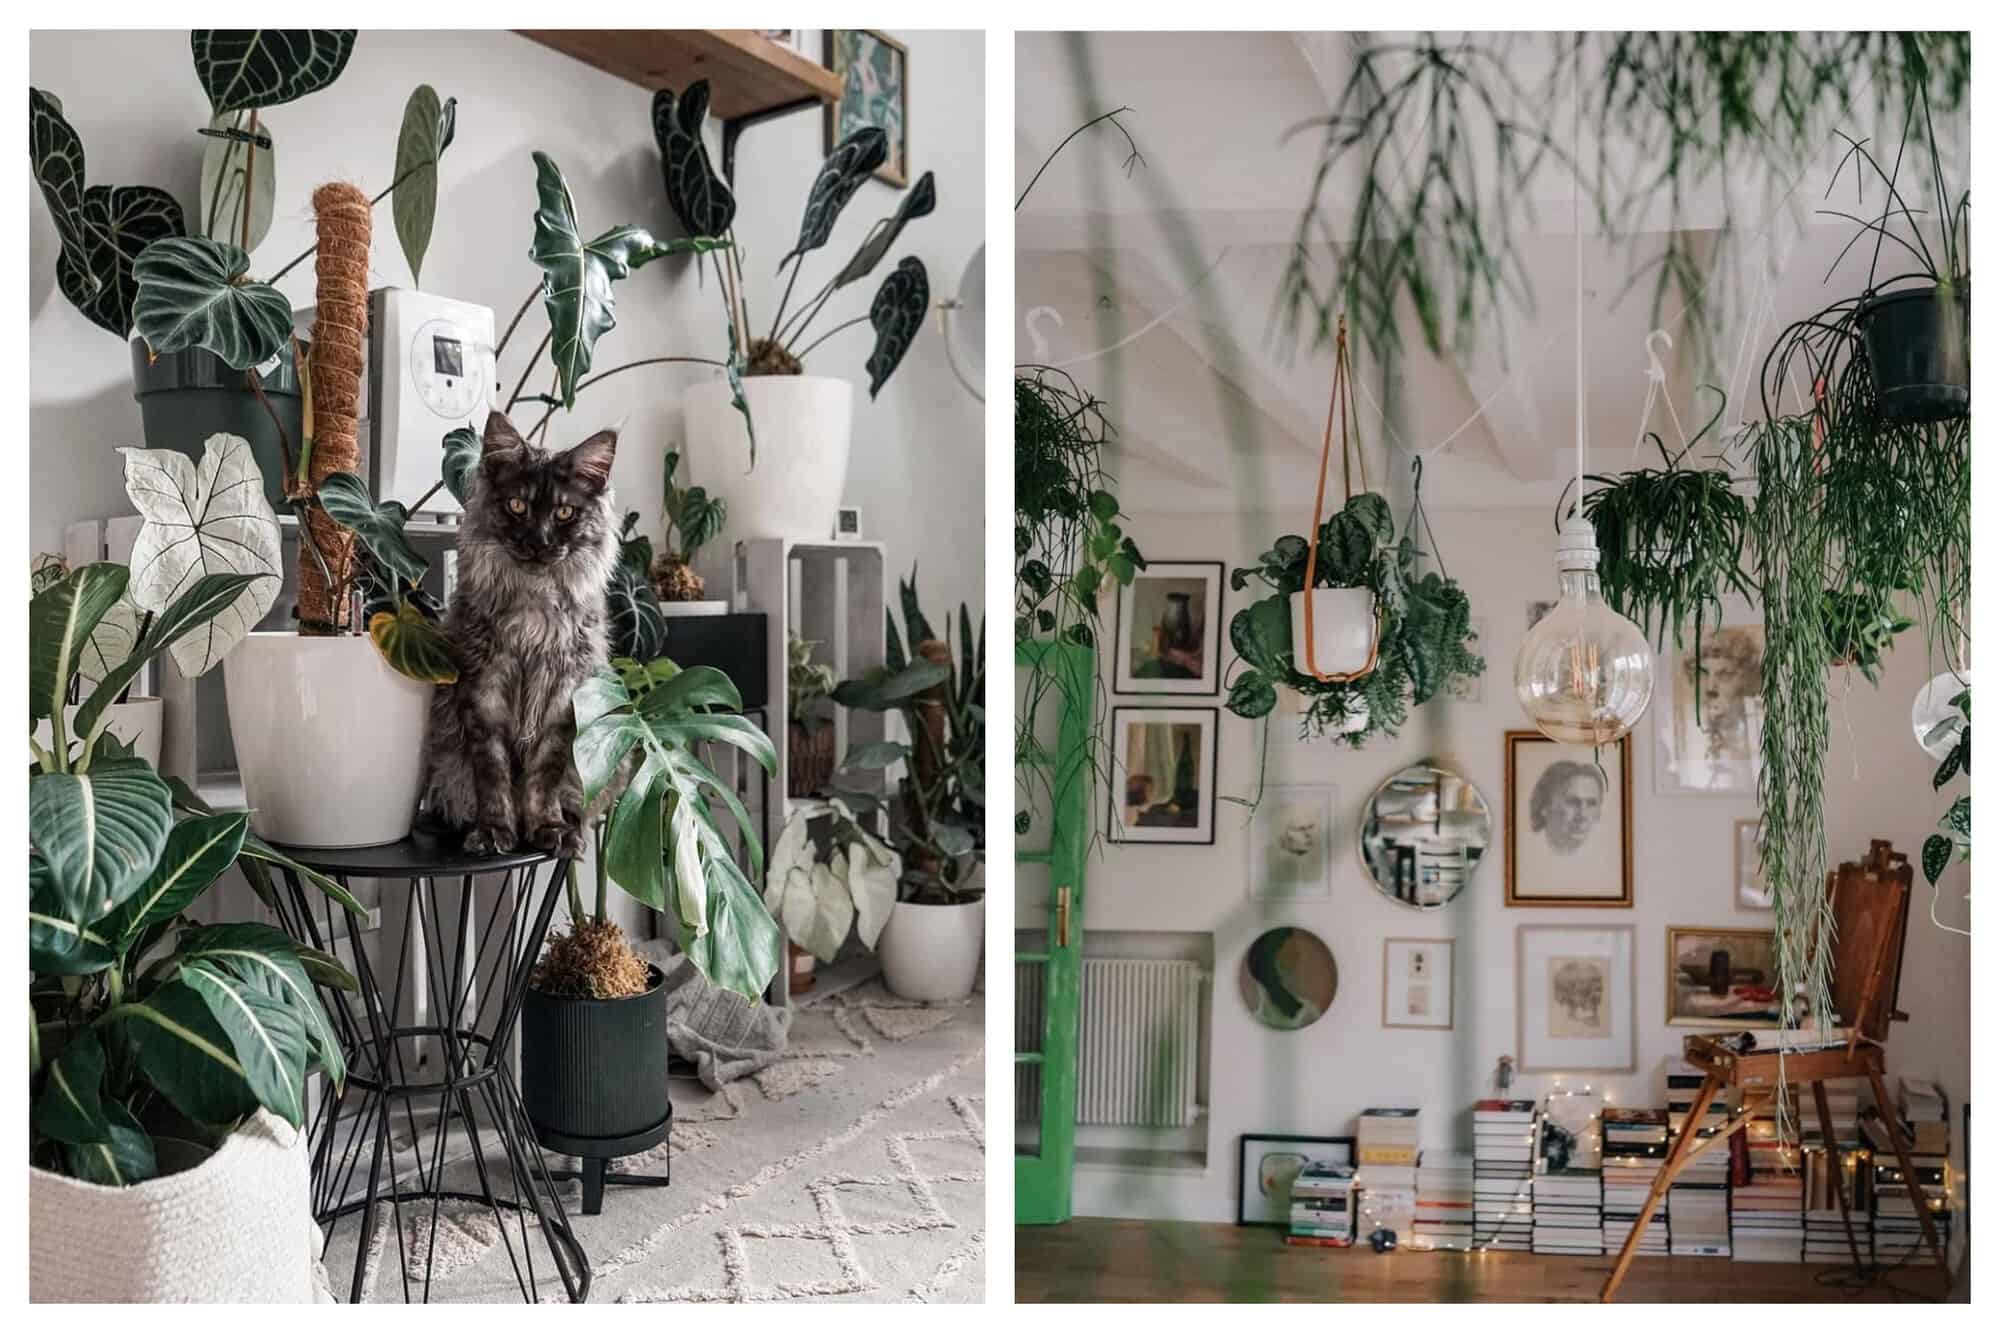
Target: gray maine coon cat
column 527, row 625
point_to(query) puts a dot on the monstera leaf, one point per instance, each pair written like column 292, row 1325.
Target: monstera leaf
column 414, row 644
column 428, row 127
column 638, row 629
column 852, row 161
column 918, row 201
column 94, row 837
column 577, row 274
column 202, row 521
column 238, row 171
column 345, row 498
column 103, row 228
column 193, row 293
column 461, row 455
column 242, row 68
column 897, row 314
column 700, row 198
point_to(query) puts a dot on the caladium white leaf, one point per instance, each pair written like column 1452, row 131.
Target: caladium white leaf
column 872, row 872
column 792, row 852
column 833, row 910
column 200, row 520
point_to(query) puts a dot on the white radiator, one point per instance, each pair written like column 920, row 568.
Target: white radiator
column 1139, row 1043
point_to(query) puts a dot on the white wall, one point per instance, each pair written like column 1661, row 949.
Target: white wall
column 1315, row 1081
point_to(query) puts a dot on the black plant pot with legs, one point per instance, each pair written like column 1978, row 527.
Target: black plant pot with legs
column 594, row 1080
column 1919, row 351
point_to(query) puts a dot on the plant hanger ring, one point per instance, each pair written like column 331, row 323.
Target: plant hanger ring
column 1340, row 406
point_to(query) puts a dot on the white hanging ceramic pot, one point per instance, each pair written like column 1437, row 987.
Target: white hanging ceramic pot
column 329, row 739
column 803, row 425
column 136, row 721
column 931, row 951
column 1343, row 631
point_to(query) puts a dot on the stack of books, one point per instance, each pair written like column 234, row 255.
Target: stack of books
column 1323, row 1205
column 1698, row 1203
column 1503, row 1170
column 1444, row 1200
column 1766, row 1217
column 1386, row 1147
column 1569, row 1211
column 1826, row 1233
column 1898, row 1234
column 1635, row 1148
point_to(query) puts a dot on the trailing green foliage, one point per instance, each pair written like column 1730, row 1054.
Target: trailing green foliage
column 1955, row 840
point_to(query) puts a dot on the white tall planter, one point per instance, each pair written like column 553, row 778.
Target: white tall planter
column 238, row 1227
column 1343, row 630
column 137, row 722
column 329, row 739
column 803, row 427
column 932, row 951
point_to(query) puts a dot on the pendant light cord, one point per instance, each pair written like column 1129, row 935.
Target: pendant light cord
column 1576, row 225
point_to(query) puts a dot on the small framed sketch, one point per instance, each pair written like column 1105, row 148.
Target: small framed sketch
column 1709, row 737
column 1163, row 775
column 1291, row 844
column 1752, row 895
column 1416, row 983
column 1269, row 1163
column 1719, row 978
column 1170, row 630
column 1569, row 823
column 1574, row 1005
column 874, row 70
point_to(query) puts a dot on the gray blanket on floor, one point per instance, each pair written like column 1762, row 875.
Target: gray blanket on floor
column 727, row 1036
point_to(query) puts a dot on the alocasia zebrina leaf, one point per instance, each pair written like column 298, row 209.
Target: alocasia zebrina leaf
column 851, row 162
column 240, row 68
column 918, row 201
column 192, row 293
column 699, row 197
column 897, row 314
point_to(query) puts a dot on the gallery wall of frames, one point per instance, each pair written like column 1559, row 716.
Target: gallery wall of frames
column 1350, row 971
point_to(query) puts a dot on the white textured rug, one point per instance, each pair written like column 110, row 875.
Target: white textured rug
column 852, row 1169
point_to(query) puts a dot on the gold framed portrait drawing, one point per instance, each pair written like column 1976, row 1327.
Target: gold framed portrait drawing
column 1569, row 823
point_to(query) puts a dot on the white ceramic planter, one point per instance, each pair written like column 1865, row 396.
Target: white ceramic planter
column 137, row 722
column 1343, row 630
column 708, row 607
column 803, row 428
column 329, row 739
column 932, row 951
column 238, row 1227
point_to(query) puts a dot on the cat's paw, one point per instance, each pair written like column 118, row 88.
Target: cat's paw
column 548, row 837
column 487, row 838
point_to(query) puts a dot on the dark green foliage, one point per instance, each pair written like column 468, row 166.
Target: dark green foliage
column 1956, row 825
column 700, row 198
column 901, row 305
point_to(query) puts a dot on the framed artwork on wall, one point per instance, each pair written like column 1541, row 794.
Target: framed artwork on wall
column 1163, row 775
column 1569, row 823
column 1291, row 843
column 1170, row 630
column 1269, row 1163
column 1574, row 1008
column 1708, row 738
column 874, row 70
column 1720, row 978
column 1416, row 983
column 1288, row 978
column 1752, row 895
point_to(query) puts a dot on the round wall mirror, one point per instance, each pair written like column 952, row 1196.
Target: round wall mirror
column 1423, row 833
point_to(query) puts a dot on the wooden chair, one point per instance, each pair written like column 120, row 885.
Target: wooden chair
column 1871, row 908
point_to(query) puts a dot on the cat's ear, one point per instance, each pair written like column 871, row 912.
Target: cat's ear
column 500, row 436
column 590, row 462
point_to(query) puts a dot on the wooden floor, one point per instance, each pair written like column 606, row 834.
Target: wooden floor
column 1107, row 1259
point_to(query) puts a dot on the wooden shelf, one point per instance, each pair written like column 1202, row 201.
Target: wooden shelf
column 747, row 74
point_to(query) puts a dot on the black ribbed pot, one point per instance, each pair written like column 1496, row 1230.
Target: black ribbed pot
column 1919, row 351
column 189, row 395
column 594, row 1072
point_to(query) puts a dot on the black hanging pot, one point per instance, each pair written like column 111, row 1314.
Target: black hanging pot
column 189, row 395
column 1919, row 351
column 594, row 1072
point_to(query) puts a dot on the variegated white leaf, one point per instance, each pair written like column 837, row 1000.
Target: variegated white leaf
column 109, row 645
column 872, row 871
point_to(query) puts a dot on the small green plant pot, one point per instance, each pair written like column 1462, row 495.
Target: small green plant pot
column 187, row 396
column 1919, row 351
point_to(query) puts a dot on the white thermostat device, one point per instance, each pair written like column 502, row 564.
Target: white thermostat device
column 430, row 370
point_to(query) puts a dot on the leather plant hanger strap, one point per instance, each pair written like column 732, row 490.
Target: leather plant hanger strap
column 1340, row 407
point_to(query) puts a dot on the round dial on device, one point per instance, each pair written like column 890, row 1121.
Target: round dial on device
column 446, row 369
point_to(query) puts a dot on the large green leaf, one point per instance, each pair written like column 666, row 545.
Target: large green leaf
column 852, row 161
column 428, row 126
column 267, row 1037
column 634, row 836
column 268, row 960
column 918, row 201
column 881, row 692
column 210, row 596
column 201, row 521
column 124, row 1158
column 901, row 305
column 742, row 947
column 345, row 498
column 184, row 1052
column 61, row 620
column 413, row 644
column 638, row 627
column 194, row 292
column 691, row 688
column 239, row 170
column 700, row 198
column 240, row 68
column 59, row 948
column 577, row 274
column 55, row 155
column 198, row 850
column 71, row 1107
column 98, row 834
column 257, row 851
column 461, row 455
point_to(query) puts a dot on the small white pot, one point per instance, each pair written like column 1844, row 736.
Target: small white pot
column 1343, row 630
column 803, row 427
column 329, row 739
column 137, row 722
column 238, row 1227
column 932, row 951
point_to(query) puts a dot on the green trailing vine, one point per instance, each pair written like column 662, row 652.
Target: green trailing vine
column 1954, row 841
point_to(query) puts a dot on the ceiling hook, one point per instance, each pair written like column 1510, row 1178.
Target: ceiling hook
column 1036, row 339
column 1654, row 370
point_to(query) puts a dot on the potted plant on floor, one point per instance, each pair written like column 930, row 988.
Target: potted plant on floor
column 693, row 520
column 930, row 948
column 768, row 439
column 829, row 873
column 168, row 1057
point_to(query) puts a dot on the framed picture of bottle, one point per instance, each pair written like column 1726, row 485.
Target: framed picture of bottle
column 1170, row 630
column 1163, row 783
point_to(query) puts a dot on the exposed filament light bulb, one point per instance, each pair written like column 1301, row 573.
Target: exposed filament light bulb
column 1584, row 674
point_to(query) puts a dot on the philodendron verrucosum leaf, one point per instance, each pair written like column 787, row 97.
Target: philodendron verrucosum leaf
column 194, row 292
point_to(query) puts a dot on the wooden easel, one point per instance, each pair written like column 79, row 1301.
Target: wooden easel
column 1871, row 909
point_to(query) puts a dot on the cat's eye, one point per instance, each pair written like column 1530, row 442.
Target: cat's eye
column 517, row 506
column 564, row 513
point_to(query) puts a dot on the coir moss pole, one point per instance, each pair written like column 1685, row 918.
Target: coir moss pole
column 340, row 326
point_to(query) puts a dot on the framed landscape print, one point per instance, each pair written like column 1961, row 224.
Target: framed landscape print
column 1709, row 736
column 874, row 70
column 1569, row 823
column 1574, row 1007
column 1170, row 630
column 1416, row 983
column 1163, row 775
column 1719, row 978
column 1291, row 844
column 1752, row 895
column 1269, row 1163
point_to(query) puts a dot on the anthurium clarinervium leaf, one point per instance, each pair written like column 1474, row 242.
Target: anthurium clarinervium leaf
column 240, row 68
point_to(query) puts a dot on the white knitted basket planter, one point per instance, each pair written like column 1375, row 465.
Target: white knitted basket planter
column 236, row 1228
